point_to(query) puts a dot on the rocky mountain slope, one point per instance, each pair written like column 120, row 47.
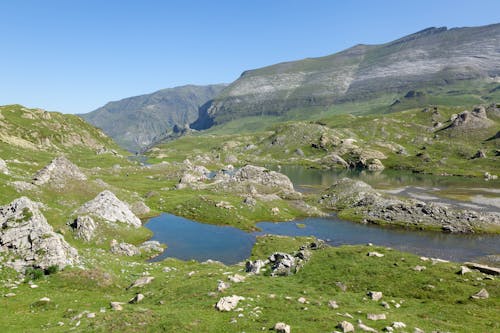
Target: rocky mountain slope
column 135, row 121
column 429, row 60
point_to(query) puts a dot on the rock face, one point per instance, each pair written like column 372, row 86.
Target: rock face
column 84, row 227
column 375, row 208
column 57, row 172
column 134, row 122
column 25, row 232
column 106, row 206
column 431, row 57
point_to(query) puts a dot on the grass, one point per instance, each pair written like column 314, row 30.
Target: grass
column 434, row 299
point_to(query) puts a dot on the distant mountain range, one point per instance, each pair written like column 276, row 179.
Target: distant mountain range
column 433, row 57
column 459, row 66
column 134, row 122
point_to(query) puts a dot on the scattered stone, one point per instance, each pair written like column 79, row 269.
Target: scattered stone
column 125, row 249
column 140, row 208
column 419, row 268
column 373, row 316
column 108, row 207
column 385, row 305
column 346, row 326
column 151, row 247
column 228, row 303
column 44, row 299
column 3, row 167
column 482, row 294
column 236, row 278
column 9, row 295
column 221, row 286
column 249, row 201
column 224, row 204
column 33, row 286
column 57, row 172
column 275, row 211
column 84, row 227
column 375, row 295
column 479, row 154
column 117, row 306
column 91, row 315
column 398, row 324
column 464, row 270
column 25, row 232
column 302, row 300
column 375, row 254
column 282, row 328
column 341, row 286
column 255, row 266
column 333, row 304
column 418, row 330
column 137, row 299
column 365, row 328
column 142, row 281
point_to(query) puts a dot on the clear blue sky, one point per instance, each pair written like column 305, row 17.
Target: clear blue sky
column 75, row 55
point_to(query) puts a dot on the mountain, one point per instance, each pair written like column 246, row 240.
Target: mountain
column 135, row 121
column 429, row 59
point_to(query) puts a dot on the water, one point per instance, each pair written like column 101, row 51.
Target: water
column 187, row 239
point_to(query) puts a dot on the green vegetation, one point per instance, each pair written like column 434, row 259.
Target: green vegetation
column 433, row 299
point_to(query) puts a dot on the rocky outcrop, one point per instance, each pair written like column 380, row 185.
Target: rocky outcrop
column 194, row 175
column 84, row 227
column 371, row 207
column 25, row 234
column 107, row 207
column 124, row 249
column 471, row 120
column 57, row 172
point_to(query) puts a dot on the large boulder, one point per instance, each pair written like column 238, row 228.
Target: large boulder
column 84, row 227
column 471, row 120
column 58, row 171
column 106, row 206
column 25, row 233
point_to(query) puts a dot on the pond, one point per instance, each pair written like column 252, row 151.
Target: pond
column 187, row 239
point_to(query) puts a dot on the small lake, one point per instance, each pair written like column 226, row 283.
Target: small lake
column 187, row 239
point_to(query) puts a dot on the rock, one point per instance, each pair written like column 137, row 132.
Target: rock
column 373, row 316
column 489, row 176
column 254, row 267
column 140, row 208
column 9, row 295
column 84, row 227
column 228, row 303
column 236, row 278
column 21, row 186
column 365, row 328
column 483, row 268
column 3, row 167
column 331, row 160
column 479, row 154
column 464, row 270
column 375, row 295
column 418, row 330
column 374, row 165
column 275, row 211
column 44, row 299
column 302, row 300
column 137, row 299
column 57, row 172
column 341, row 286
column 24, row 231
column 282, row 264
column 398, row 324
column 108, row 207
column 282, row 328
column 222, row 286
column 419, row 268
column 375, row 254
column 482, row 294
column 333, row 304
column 124, row 249
column 224, row 204
column 249, row 201
column 299, row 152
column 231, row 159
column 151, row 247
column 141, row 282
column 346, row 326
column 476, row 119
column 117, row 306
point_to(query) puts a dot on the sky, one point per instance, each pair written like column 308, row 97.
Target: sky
column 74, row 56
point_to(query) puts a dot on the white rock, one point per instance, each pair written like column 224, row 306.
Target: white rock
column 375, row 295
column 142, row 281
column 228, row 303
column 236, row 278
column 365, row 328
column 373, row 316
column 346, row 326
column 398, row 324
column 375, row 254
column 282, row 328
column 116, row 306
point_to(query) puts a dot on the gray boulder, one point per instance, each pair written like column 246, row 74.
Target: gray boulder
column 57, row 172
column 106, row 206
column 125, row 249
column 255, row 266
column 228, row 303
column 26, row 234
column 84, row 227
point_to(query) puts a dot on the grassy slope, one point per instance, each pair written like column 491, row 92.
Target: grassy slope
column 434, row 299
